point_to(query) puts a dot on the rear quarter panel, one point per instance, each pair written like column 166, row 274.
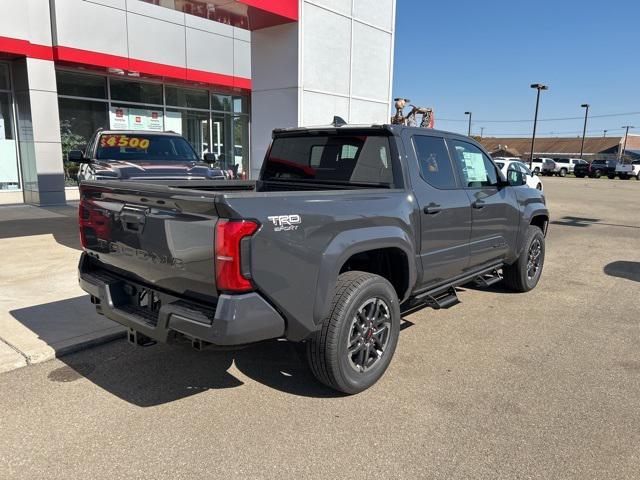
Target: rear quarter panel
column 296, row 266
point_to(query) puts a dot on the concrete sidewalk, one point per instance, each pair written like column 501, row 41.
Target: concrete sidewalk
column 43, row 311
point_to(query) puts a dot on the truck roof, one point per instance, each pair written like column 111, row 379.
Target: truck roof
column 392, row 129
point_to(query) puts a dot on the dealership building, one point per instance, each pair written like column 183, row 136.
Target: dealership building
column 223, row 73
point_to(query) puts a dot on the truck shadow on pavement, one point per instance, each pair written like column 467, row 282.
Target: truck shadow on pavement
column 160, row 374
column 151, row 376
column 624, row 269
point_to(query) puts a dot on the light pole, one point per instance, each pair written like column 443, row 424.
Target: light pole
column 481, row 132
column 605, row 133
column 584, row 130
column 469, row 131
column 537, row 86
column 624, row 145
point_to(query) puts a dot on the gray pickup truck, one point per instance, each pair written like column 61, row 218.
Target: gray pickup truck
column 347, row 229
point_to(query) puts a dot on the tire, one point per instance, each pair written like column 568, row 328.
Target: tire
column 328, row 348
column 597, row 174
column 562, row 172
column 623, row 176
column 580, row 175
column 539, row 186
column 610, row 177
column 638, row 177
column 518, row 277
column 536, row 170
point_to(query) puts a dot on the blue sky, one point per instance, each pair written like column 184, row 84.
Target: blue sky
column 482, row 55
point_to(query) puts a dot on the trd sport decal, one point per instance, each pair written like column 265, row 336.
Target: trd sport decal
column 285, row 223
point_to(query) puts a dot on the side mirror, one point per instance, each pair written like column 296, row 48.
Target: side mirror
column 516, row 179
column 76, row 156
column 210, row 158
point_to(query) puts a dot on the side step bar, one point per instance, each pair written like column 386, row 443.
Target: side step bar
column 445, row 299
column 488, row 279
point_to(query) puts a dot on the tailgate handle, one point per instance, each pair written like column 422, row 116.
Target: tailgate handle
column 133, row 219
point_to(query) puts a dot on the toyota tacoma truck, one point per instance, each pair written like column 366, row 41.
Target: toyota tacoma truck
column 346, row 230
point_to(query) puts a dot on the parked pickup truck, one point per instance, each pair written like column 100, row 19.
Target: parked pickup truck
column 142, row 155
column 347, row 229
column 610, row 168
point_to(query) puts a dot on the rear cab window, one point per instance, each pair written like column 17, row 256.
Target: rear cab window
column 342, row 158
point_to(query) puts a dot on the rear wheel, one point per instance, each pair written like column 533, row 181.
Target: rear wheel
column 623, row 176
column 357, row 340
column 580, row 175
column 536, row 170
column 611, row 176
column 597, row 174
column 563, row 172
column 638, row 176
column 539, row 186
column 524, row 274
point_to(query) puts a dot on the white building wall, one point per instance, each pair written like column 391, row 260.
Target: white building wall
column 142, row 31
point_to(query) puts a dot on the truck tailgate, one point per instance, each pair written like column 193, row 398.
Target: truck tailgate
column 152, row 234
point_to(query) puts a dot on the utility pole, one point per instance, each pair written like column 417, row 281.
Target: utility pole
column 470, row 114
column 624, row 145
column 584, row 130
column 537, row 86
column 605, row 133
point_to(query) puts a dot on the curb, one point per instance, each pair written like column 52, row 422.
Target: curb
column 68, row 350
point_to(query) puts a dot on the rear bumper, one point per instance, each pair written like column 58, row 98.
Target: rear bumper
column 234, row 320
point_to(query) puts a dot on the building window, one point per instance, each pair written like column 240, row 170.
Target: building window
column 79, row 85
column 9, row 178
column 78, row 120
column 211, row 121
column 138, row 92
column 183, row 97
column 221, row 102
column 9, row 172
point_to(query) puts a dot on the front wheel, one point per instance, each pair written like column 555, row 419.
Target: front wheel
column 598, row 174
column 524, row 274
column 563, row 172
column 610, row 177
column 357, row 340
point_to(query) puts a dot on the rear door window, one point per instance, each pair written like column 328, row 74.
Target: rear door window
column 434, row 161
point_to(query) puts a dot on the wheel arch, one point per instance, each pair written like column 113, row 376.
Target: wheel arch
column 361, row 248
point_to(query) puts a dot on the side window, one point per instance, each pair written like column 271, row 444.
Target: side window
column 476, row 169
column 525, row 169
column 435, row 165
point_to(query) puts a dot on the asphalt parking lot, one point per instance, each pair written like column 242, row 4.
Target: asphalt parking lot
column 538, row 385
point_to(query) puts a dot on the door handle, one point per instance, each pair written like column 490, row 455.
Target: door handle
column 478, row 204
column 432, row 209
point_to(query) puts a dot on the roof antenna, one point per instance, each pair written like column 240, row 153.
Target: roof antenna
column 338, row 121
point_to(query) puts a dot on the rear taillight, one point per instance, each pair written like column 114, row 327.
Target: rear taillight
column 94, row 224
column 228, row 246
